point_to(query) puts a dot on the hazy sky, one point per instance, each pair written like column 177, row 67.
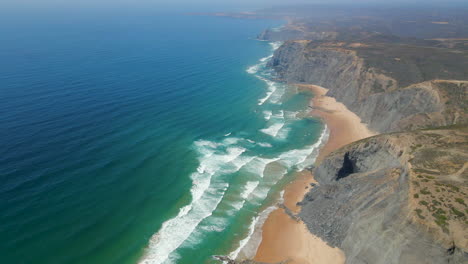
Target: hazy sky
column 202, row 4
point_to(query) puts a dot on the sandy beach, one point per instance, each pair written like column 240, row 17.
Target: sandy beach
column 285, row 239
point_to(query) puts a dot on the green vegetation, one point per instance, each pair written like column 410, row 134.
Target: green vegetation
column 441, row 219
column 418, row 213
column 454, row 188
column 460, row 201
column 425, row 191
column 457, row 213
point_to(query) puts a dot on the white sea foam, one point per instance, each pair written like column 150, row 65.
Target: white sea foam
column 280, row 114
column 267, row 114
column 215, row 159
column 272, row 86
column 249, row 188
column 266, row 58
column 273, row 129
column 291, row 114
column 241, row 162
column 265, row 145
column 243, row 242
column 249, row 245
column 257, row 165
column 301, row 158
column 176, row 230
column 246, row 192
column 230, row 141
column 283, row 133
column 277, row 95
column 253, row 69
column 275, row 45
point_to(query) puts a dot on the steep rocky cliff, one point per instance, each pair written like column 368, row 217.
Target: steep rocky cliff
column 399, row 197
column 390, row 94
column 394, row 198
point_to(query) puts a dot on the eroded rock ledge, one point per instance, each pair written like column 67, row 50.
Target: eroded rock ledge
column 395, row 198
column 393, row 95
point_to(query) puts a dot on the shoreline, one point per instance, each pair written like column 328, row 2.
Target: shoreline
column 288, row 239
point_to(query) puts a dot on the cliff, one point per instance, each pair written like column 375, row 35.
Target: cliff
column 394, row 198
column 390, row 94
column 398, row 197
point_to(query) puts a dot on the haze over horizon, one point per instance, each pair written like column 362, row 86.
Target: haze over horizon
column 210, row 5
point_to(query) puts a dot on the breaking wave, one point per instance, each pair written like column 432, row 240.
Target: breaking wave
column 231, row 176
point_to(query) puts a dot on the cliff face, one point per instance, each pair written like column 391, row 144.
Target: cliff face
column 368, row 91
column 372, row 198
column 393, row 198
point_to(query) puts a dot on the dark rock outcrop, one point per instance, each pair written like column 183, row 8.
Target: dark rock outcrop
column 374, row 96
column 365, row 202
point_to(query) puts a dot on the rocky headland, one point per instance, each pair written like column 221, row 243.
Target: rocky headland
column 399, row 196
column 394, row 198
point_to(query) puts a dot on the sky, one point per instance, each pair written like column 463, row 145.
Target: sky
column 200, row 5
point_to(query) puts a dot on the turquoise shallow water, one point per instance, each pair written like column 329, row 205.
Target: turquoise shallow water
column 141, row 137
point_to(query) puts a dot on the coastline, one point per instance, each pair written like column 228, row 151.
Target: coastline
column 288, row 239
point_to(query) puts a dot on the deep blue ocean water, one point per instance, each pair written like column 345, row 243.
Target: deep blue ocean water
column 142, row 137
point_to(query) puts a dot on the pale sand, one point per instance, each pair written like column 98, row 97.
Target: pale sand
column 284, row 239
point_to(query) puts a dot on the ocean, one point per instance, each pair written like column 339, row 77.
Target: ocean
column 142, row 137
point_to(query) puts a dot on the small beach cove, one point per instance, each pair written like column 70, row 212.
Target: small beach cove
column 285, row 238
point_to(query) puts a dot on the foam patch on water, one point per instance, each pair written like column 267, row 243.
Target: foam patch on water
column 276, row 96
column 283, row 133
column 266, row 58
column 265, row 145
column 249, row 245
column 276, row 45
column 280, row 114
column 301, row 158
column 273, row 129
column 246, row 192
column 249, row 188
column 278, row 123
column 267, row 114
column 176, row 230
column 243, row 242
column 215, row 159
column 272, row 86
column 254, row 69
column 209, row 210
column 257, row 165
column 291, row 115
